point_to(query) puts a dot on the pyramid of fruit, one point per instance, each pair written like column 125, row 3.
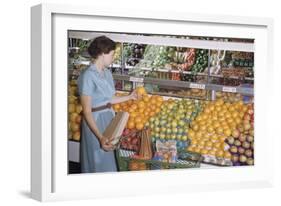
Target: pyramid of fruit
column 140, row 110
column 241, row 141
column 172, row 122
column 213, row 126
column 74, row 112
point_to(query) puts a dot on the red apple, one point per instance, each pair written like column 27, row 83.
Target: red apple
column 250, row 111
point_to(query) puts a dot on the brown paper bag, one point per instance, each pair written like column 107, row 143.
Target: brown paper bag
column 116, row 127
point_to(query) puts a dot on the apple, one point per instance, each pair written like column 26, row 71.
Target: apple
column 179, row 136
column 250, row 112
column 157, row 129
column 73, row 117
column 242, row 137
column 174, row 123
column 250, row 161
column 169, row 131
column 184, row 138
column 233, row 149
column 180, row 130
column 173, row 136
column 241, row 150
column 247, row 126
column 249, row 153
column 126, row 132
column 134, row 141
column 247, row 117
column 78, row 119
column 175, row 130
column 162, row 135
column 250, row 138
column 246, row 145
column 235, row 133
column 237, row 143
column 163, row 129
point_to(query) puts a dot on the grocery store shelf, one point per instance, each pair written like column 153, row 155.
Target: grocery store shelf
column 183, row 84
column 168, row 41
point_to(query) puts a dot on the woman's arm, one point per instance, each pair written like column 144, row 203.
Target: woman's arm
column 87, row 113
column 116, row 100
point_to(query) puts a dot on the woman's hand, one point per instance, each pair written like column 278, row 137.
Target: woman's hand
column 134, row 95
column 106, row 144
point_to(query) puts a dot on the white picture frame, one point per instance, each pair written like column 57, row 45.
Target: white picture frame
column 49, row 178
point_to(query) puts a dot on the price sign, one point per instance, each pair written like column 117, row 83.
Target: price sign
column 197, row 86
column 136, row 79
column 229, row 89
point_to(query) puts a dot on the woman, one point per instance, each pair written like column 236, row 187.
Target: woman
column 97, row 93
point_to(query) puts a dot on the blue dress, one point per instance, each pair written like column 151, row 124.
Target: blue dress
column 101, row 89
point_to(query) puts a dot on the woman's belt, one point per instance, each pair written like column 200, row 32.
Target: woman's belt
column 107, row 106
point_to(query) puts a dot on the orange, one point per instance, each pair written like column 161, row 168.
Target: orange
column 159, row 99
column 146, row 98
column 158, row 104
column 157, row 110
column 138, row 119
column 153, row 101
column 141, row 110
column 116, row 106
column 140, row 91
column 219, row 153
column 151, row 114
column 153, row 107
column 134, row 106
column 141, row 104
column 133, row 114
column 131, row 110
column 130, row 125
column 139, row 126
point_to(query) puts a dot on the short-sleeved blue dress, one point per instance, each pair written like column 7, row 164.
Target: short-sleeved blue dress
column 101, row 88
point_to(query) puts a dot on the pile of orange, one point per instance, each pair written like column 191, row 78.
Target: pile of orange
column 140, row 110
column 213, row 125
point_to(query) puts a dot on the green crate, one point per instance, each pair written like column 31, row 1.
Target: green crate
column 124, row 159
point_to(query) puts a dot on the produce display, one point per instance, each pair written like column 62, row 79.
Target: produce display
column 130, row 140
column 213, row 126
column 133, row 53
column 241, row 141
column 172, row 122
column 178, row 123
column 229, row 97
column 191, row 93
column 117, row 54
column 74, row 112
column 140, row 110
column 166, row 151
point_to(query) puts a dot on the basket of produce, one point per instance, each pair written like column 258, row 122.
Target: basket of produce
column 127, row 161
column 164, row 157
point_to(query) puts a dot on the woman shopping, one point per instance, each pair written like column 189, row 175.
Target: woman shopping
column 97, row 93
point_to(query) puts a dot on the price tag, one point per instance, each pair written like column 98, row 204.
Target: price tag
column 136, row 79
column 229, row 89
column 197, row 86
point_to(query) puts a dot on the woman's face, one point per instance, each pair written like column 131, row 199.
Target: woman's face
column 108, row 58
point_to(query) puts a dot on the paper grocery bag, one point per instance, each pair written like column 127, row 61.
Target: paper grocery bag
column 116, row 127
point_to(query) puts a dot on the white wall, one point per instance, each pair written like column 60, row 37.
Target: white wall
column 15, row 99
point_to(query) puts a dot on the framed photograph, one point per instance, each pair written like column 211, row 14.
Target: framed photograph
column 138, row 102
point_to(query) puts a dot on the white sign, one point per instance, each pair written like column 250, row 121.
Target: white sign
column 197, row 86
column 229, row 89
column 136, row 79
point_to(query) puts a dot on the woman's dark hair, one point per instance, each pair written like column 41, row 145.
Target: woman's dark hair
column 100, row 45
